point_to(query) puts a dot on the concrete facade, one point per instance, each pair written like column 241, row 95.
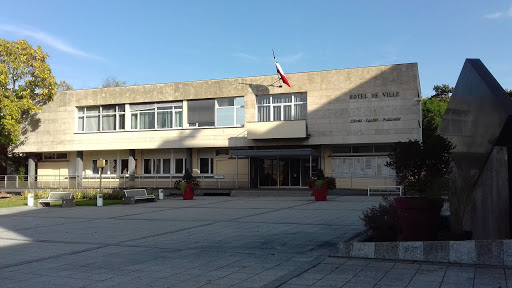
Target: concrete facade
column 361, row 106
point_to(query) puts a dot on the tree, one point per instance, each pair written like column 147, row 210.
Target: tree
column 26, row 83
column 509, row 92
column 111, row 81
column 443, row 92
column 432, row 111
column 64, row 86
column 421, row 167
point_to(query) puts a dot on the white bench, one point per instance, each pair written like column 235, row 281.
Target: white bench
column 385, row 190
column 136, row 194
column 66, row 199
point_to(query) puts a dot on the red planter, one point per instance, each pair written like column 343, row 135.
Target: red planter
column 418, row 218
column 320, row 194
column 188, row 194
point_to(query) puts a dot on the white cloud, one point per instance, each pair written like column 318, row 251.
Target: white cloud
column 48, row 40
column 292, row 58
column 498, row 15
column 246, row 57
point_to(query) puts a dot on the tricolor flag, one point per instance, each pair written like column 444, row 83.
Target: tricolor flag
column 281, row 73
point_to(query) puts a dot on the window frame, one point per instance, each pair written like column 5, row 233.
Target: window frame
column 82, row 113
column 281, row 105
column 176, row 108
column 172, row 168
column 210, row 166
column 235, row 108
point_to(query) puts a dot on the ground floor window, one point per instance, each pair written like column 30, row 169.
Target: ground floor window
column 361, row 166
column 163, row 166
column 206, row 165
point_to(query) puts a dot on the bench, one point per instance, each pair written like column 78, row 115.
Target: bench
column 136, row 194
column 66, row 199
column 385, row 190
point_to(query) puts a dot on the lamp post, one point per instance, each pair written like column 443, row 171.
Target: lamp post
column 101, row 164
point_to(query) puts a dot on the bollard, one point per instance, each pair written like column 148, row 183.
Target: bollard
column 99, row 200
column 161, row 194
column 30, row 200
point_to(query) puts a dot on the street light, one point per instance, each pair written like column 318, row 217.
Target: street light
column 101, row 165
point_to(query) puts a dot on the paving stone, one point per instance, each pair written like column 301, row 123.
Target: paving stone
column 489, row 252
column 507, row 253
column 462, row 252
column 410, row 251
column 386, row 250
column 416, row 283
column 436, row 251
column 363, row 249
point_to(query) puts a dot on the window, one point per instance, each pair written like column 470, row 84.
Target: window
column 205, row 165
column 162, row 166
column 222, row 152
column 282, row 107
column 55, row 156
column 156, row 115
column 201, row 113
column 179, row 166
column 361, row 166
column 110, row 165
column 230, row 111
column 124, row 166
column 362, row 149
column 100, row 118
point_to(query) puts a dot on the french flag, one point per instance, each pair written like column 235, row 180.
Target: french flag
column 281, row 73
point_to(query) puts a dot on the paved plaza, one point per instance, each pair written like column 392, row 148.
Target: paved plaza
column 208, row 242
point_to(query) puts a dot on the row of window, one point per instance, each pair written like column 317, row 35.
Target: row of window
column 221, row 112
column 361, row 166
column 159, row 166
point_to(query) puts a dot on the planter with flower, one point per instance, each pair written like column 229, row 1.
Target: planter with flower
column 187, row 185
column 320, row 185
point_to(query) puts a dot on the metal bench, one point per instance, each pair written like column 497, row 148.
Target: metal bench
column 136, row 194
column 66, row 199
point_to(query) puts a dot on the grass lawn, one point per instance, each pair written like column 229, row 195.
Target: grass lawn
column 93, row 202
column 12, row 202
column 15, row 201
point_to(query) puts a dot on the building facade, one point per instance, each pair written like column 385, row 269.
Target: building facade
column 231, row 133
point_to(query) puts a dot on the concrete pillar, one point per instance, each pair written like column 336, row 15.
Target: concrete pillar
column 188, row 160
column 79, row 168
column 131, row 164
column 31, row 171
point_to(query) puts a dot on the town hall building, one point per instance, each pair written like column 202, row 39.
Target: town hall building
column 231, row 133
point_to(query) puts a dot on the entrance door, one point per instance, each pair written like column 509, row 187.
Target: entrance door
column 268, row 172
column 287, row 172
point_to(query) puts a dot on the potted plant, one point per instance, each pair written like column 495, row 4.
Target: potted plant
column 320, row 185
column 187, row 185
column 422, row 169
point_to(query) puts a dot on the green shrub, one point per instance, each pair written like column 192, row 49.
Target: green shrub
column 382, row 221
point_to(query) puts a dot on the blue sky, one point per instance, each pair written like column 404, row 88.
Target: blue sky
column 147, row 42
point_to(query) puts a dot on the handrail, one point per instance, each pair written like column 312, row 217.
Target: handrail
column 111, row 181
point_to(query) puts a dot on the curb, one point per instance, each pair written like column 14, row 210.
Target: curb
column 476, row 252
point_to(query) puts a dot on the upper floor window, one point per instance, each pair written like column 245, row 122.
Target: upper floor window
column 100, row 118
column 230, row 111
column 156, row 115
column 282, row 107
column 221, row 112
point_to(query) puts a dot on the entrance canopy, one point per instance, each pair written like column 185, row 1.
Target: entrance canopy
column 305, row 152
